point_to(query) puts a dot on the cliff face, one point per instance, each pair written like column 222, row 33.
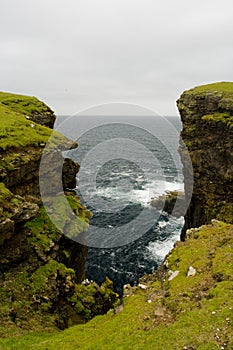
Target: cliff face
column 207, row 117
column 186, row 304
column 40, row 268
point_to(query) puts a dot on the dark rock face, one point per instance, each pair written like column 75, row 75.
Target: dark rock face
column 46, row 119
column 40, row 268
column 167, row 202
column 207, row 117
column 23, row 178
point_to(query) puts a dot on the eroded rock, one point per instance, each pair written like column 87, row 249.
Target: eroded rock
column 207, row 117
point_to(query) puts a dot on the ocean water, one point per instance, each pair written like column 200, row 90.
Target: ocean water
column 123, row 166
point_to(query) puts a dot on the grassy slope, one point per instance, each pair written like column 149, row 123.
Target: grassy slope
column 17, row 132
column 224, row 91
column 15, row 129
column 222, row 88
column 184, row 313
column 20, row 140
column 23, row 104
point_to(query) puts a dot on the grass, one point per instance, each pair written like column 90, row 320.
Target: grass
column 184, row 313
column 5, row 194
column 36, row 292
column 223, row 88
column 27, row 105
column 224, row 118
column 9, row 203
column 44, row 231
column 16, row 131
column 43, row 294
column 21, row 139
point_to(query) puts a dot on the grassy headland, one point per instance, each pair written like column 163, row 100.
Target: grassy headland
column 184, row 312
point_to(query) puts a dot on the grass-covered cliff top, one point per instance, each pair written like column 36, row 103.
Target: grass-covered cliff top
column 17, row 129
column 189, row 306
column 212, row 102
column 40, row 267
column 224, row 88
column 28, row 105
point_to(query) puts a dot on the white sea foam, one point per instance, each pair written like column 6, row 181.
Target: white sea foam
column 162, row 224
column 142, row 196
column 159, row 249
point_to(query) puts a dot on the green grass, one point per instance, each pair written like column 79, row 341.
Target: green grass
column 224, row 88
column 5, row 194
column 9, row 202
column 27, row 105
column 224, row 118
column 217, row 97
column 16, row 131
column 44, row 231
column 184, row 313
column 21, row 139
column 197, row 311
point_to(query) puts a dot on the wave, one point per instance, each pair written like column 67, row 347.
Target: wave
column 158, row 249
column 142, row 195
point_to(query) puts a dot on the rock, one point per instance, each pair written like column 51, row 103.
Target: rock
column 25, row 212
column 36, row 258
column 172, row 202
column 215, row 222
column 159, row 311
column 127, row 290
column 119, row 309
column 6, row 230
column 173, row 274
column 46, row 119
column 207, row 117
column 86, row 282
column 142, row 286
column 53, row 165
column 191, row 271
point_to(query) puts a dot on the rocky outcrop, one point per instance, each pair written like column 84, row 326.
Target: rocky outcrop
column 207, row 117
column 186, row 304
column 172, row 202
column 40, row 268
column 33, row 109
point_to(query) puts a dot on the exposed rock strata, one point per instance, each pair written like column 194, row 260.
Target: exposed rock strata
column 172, row 202
column 40, row 268
column 207, row 117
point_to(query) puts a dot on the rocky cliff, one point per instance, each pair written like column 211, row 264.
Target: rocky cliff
column 187, row 303
column 207, row 117
column 40, row 268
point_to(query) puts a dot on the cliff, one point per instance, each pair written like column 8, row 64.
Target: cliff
column 207, row 118
column 187, row 303
column 40, row 268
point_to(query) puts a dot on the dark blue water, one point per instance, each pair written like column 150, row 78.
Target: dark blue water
column 149, row 166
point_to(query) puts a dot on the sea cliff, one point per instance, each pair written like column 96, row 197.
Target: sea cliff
column 207, row 118
column 187, row 303
column 40, row 268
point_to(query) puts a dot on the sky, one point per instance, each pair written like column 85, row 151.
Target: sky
column 76, row 54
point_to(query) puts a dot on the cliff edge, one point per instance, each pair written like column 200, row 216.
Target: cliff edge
column 207, row 118
column 40, row 268
column 187, row 303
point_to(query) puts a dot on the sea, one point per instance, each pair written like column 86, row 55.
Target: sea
column 126, row 162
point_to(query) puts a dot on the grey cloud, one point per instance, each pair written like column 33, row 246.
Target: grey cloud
column 73, row 54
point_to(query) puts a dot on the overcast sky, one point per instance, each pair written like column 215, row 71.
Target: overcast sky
column 74, row 54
